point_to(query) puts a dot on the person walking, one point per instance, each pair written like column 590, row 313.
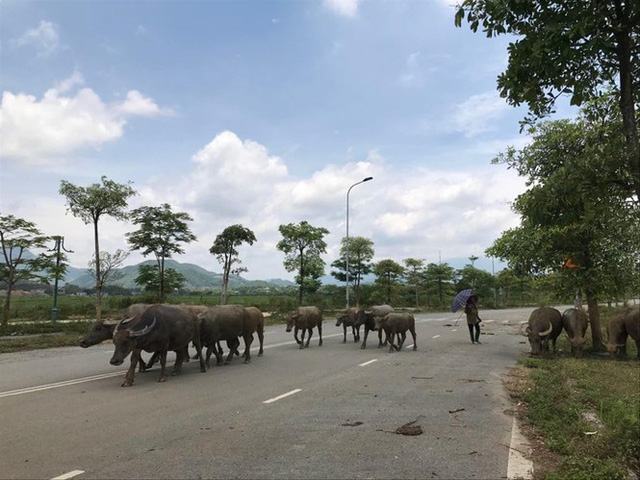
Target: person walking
column 473, row 320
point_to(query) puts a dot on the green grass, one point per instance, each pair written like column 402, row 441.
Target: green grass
column 51, row 340
column 564, row 388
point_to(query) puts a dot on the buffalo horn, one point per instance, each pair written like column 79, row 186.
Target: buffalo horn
column 144, row 331
column 110, row 322
column 546, row 332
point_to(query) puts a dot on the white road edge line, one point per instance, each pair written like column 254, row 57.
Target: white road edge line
column 280, row 397
column 68, row 475
column 368, row 363
column 518, row 466
column 66, row 383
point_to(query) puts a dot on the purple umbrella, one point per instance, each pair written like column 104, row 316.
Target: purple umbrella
column 460, row 299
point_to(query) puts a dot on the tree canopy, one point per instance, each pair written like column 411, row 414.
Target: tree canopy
column 90, row 204
column 302, row 245
column 360, row 255
column 162, row 233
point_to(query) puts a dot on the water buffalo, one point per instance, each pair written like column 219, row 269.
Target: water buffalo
column 226, row 322
column 397, row 324
column 305, row 319
column 619, row 328
column 349, row 319
column 545, row 323
column 159, row 328
column 368, row 319
column 575, row 322
column 256, row 322
column 103, row 330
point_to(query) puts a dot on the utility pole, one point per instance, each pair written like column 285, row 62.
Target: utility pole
column 59, row 245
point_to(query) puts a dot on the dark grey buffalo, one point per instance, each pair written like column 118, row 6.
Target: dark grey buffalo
column 545, row 324
column 305, row 319
column 397, row 324
column 368, row 319
column 159, row 328
column 103, row 330
column 348, row 319
column 226, row 322
column 620, row 328
column 575, row 323
column 256, row 325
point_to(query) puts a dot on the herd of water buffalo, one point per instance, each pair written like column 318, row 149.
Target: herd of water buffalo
column 161, row 328
column 546, row 324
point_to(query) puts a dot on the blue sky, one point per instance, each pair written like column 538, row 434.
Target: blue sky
column 260, row 113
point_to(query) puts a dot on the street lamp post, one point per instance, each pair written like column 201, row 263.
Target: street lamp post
column 59, row 245
column 347, row 242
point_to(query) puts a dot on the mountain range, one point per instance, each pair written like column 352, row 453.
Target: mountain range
column 197, row 278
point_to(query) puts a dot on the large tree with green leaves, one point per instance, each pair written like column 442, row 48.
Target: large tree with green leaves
column 302, row 245
column 441, row 276
column 360, row 255
column 162, row 233
column 225, row 249
column 388, row 274
column 149, row 279
column 576, row 47
column 90, row 204
column 414, row 270
column 570, row 213
column 18, row 239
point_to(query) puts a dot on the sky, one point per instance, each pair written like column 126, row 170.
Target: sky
column 260, row 113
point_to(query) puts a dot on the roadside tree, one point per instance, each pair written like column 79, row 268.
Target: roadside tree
column 388, row 274
column 161, row 232
column 18, row 239
column 441, row 276
column 302, row 245
column 225, row 250
column 109, row 265
column 149, row 279
column 414, row 268
column 360, row 255
column 576, row 48
column 90, row 204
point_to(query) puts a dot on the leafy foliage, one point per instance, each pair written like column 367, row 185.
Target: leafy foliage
column 225, row 249
column 388, row 274
column 149, row 278
column 360, row 255
column 302, row 245
column 161, row 233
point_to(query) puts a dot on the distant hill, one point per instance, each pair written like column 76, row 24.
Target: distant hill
column 197, row 278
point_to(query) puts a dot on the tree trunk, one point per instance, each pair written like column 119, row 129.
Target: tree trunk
column 225, row 281
column 98, row 272
column 594, row 319
column 161, row 282
column 301, row 290
column 7, row 299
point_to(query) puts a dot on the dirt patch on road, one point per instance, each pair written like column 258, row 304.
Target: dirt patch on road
column 517, row 382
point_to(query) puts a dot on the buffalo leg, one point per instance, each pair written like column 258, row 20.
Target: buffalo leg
column 344, row 337
column 128, row 378
column 295, row 335
column 310, row 331
column 260, row 338
column 163, row 366
column 413, row 334
column 177, row 367
column 366, row 334
column 210, row 350
column 319, row 333
column 304, row 331
column 390, row 338
column 248, row 340
column 356, row 333
column 401, row 338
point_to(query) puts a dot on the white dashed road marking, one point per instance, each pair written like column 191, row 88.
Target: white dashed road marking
column 368, row 363
column 66, row 476
column 436, row 336
column 279, row 397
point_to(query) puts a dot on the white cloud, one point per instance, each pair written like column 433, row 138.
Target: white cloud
column 44, row 38
column 345, row 8
column 41, row 131
column 475, row 115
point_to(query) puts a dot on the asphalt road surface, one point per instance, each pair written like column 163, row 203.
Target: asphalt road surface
column 323, row 412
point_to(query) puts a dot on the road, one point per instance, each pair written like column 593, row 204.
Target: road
column 322, row 412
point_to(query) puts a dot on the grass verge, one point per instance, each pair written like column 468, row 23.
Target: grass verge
column 587, row 411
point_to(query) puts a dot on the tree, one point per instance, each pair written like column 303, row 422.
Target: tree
column 360, row 255
column 109, row 265
column 90, row 204
column 161, row 233
column 302, row 245
column 18, row 237
column 570, row 216
column 576, row 48
column 387, row 273
column 414, row 268
column 480, row 281
column 224, row 248
column 442, row 275
column 149, row 278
